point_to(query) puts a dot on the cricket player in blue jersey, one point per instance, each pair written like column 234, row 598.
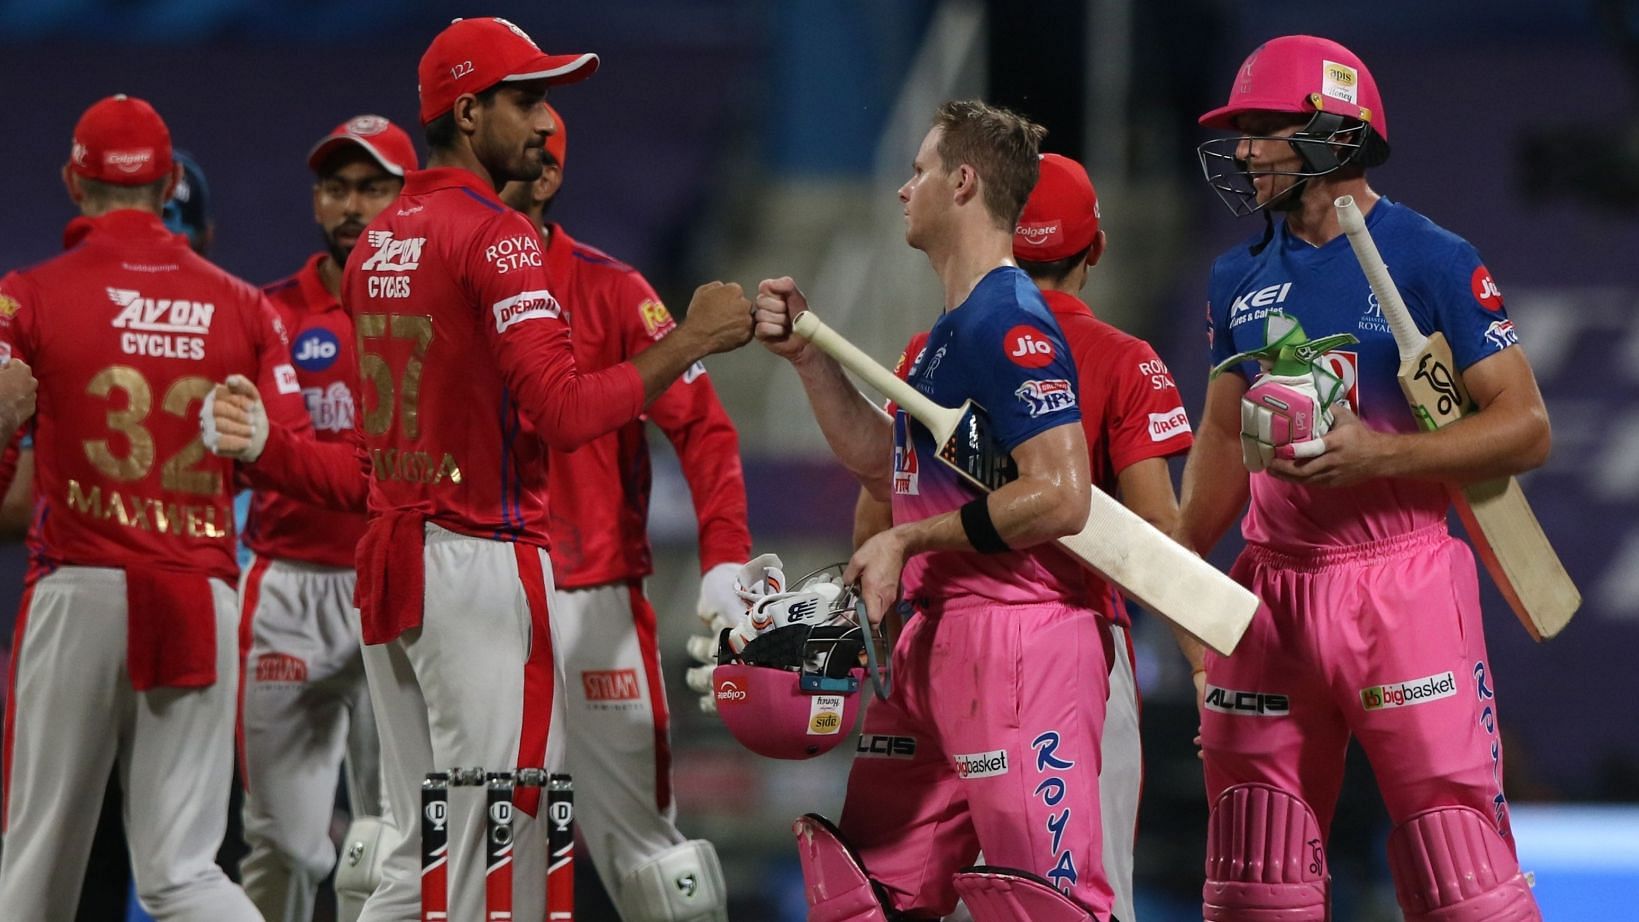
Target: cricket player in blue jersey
column 1372, row 626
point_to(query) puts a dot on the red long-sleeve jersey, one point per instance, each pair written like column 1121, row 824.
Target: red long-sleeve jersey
column 600, row 491
column 127, row 332
column 325, row 355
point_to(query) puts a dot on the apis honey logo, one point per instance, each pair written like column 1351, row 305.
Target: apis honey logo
column 825, row 715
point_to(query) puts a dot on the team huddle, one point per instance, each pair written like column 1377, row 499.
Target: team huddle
column 448, row 541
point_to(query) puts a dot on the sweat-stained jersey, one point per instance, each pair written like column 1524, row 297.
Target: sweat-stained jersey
column 1001, row 349
column 1445, row 286
column 600, row 491
column 325, row 355
column 466, row 365
column 1130, row 410
column 127, row 332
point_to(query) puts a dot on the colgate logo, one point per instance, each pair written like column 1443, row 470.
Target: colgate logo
column 728, row 691
column 128, row 161
column 1037, row 234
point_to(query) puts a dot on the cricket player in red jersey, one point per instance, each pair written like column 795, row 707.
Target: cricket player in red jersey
column 305, row 704
column 1133, row 421
column 615, row 699
column 469, row 376
column 125, row 646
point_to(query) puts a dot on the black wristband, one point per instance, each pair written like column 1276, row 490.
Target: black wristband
column 980, row 530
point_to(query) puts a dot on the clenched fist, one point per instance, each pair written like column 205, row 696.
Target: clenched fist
column 778, row 302
column 17, row 392
column 232, row 420
column 720, row 315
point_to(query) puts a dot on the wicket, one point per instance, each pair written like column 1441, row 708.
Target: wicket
column 558, row 813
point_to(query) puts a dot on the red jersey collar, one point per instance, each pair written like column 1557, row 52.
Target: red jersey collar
column 317, row 297
column 1062, row 302
column 560, row 253
column 130, row 225
column 420, row 182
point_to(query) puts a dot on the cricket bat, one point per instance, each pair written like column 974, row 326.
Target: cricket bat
column 1116, row 543
column 1505, row 531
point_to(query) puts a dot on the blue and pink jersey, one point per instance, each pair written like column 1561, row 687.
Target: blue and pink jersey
column 1445, row 286
column 1001, row 349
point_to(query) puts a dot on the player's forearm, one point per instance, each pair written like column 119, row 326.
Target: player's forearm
column 1025, row 512
column 859, row 432
column 871, row 517
column 1194, row 651
column 664, row 362
column 1214, row 491
column 1506, row 438
column 334, row 475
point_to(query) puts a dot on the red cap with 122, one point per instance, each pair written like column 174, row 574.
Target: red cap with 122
column 472, row 55
column 121, row 140
column 1061, row 217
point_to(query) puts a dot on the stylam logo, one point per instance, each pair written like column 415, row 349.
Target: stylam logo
column 528, row 305
column 281, row 668
column 981, row 764
column 610, row 685
column 1255, row 304
column 727, row 690
column 1412, row 691
column 160, row 315
column 880, row 746
column 1247, row 703
column 1027, row 346
column 1164, row 426
column 393, row 255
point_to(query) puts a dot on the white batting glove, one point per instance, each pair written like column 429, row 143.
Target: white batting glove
column 232, row 421
column 1285, row 416
column 720, row 605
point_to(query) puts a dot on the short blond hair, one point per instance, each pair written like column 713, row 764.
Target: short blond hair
column 1003, row 146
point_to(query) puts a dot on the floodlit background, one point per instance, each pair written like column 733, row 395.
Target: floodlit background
column 740, row 139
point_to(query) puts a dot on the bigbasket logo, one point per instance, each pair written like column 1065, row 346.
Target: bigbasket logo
column 1414, row 691
column 981, row 764
column 610, row 684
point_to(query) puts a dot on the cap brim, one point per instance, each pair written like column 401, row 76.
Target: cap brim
column 556, row 68
column 1224, row 116
column 330, row 145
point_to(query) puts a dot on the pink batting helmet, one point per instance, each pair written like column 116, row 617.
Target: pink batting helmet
column 792, row 692
column 1303, row 74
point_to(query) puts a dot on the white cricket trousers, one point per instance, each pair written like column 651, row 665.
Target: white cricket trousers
column 619, row 727
column 474, row 687
column 71, row 713
column 1121, row 775
column 304, row 712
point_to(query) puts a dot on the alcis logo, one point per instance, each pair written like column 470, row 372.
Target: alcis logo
column 1247, row 703
column 393, row 255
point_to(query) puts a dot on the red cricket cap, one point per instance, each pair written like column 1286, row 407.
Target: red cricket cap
column 557, row 143
column 387, row 143
column 123, row 141
column 472, row 55
column 1061, row 217
column 1302, row 74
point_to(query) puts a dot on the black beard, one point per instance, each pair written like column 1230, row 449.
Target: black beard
column 337, row 252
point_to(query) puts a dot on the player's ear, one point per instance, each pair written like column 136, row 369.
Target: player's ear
column 546, row 188
column 465, row 111
column 966, row 180
column 1096, row 251
column 72, row 183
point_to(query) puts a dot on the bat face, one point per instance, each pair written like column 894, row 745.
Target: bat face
column 1432, row 386
column 974, row 454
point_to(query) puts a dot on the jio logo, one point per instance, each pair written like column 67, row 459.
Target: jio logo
column 315, row 349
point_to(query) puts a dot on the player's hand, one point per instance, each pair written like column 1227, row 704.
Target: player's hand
column 779, row 301
column 1282, row 416
column 875, row 568
column 233, row 422
column 1353, row 453
column 720, row 315
column 1200, row 708
column 17, row 392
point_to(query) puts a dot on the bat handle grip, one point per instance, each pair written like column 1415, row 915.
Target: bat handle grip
column 1407, row 337
column 848, row 355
